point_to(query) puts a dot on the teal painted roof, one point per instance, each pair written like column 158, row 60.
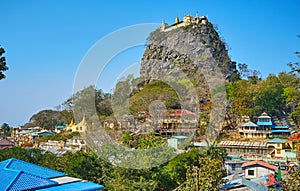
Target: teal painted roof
column 281, row 131
column 60, row 127
column 276, row 140
column 45, row 133
column 264, row 123
column 289, row 155
column 281, row 127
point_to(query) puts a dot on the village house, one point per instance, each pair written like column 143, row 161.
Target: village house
column 233, row 166
column 275, row 150
column 50, row 144
column 280, row 149
column 177, row 122
column 256, row 169
column 264, row 128
column 4, row 143
column 59, row 128
column 239, row 183
column 75, row 144
column 26, row 137
column 61, row 147
column 243, row 148
column 251, row 130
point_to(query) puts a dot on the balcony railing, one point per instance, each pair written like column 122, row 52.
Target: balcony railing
column 254, row 131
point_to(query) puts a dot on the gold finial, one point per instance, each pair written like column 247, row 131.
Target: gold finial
column 163, row 25
column 177, row 19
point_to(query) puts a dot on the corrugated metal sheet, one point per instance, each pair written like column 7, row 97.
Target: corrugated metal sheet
column 77, row 186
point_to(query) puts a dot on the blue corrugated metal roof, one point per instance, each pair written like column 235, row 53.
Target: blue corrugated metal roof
column 16, row 175
column 281, row 131
column 19, row 180
column 281, row 127
column 76, row 186
column 16, row 164
column 7, row 177
column 26, row 181
column 3, row 164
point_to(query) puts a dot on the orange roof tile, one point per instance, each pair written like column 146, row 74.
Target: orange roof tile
column 261, row 163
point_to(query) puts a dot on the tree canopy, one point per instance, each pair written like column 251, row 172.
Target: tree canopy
column 3, row 66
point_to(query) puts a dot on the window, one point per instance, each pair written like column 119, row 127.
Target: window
column 278, row 145
column 233, row 166
column 251, row 172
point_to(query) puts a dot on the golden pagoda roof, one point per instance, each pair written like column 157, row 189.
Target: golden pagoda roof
column 72, row 123
column 82, row 122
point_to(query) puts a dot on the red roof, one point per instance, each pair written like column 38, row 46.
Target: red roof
column 295, row 137
column 5, row 142
column 261, row 163
column 180, row 112
column 271, row 181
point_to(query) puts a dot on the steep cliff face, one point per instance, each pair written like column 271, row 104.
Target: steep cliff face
column 195, row 52
column 178, row 46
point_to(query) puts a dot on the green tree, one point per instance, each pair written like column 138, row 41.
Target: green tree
column 3, row 66
column 292, row 181
column 86, row 166
column 156, row 90
column 50, row 118
column 82, row 103
column 5, row 129
column 206, row 173
column 176, row 168
column 122, row 179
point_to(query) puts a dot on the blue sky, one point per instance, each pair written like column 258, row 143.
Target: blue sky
column 45, row 41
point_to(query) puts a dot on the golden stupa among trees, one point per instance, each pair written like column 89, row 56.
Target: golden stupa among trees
column 81, row 127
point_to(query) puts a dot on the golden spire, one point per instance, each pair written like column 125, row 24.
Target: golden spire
column 176, row 19
column 83, row 122
column 163, row 25
column 72, row 123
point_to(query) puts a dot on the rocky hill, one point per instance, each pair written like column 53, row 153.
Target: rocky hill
column 190, row 49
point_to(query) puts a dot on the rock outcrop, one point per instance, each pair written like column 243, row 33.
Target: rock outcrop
column 194, row 52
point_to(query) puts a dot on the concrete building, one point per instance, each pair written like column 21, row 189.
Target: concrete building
column 256, row 169
column 264, row 128
column 177, row 122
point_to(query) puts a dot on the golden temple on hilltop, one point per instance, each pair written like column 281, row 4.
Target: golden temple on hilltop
column 186, row 21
